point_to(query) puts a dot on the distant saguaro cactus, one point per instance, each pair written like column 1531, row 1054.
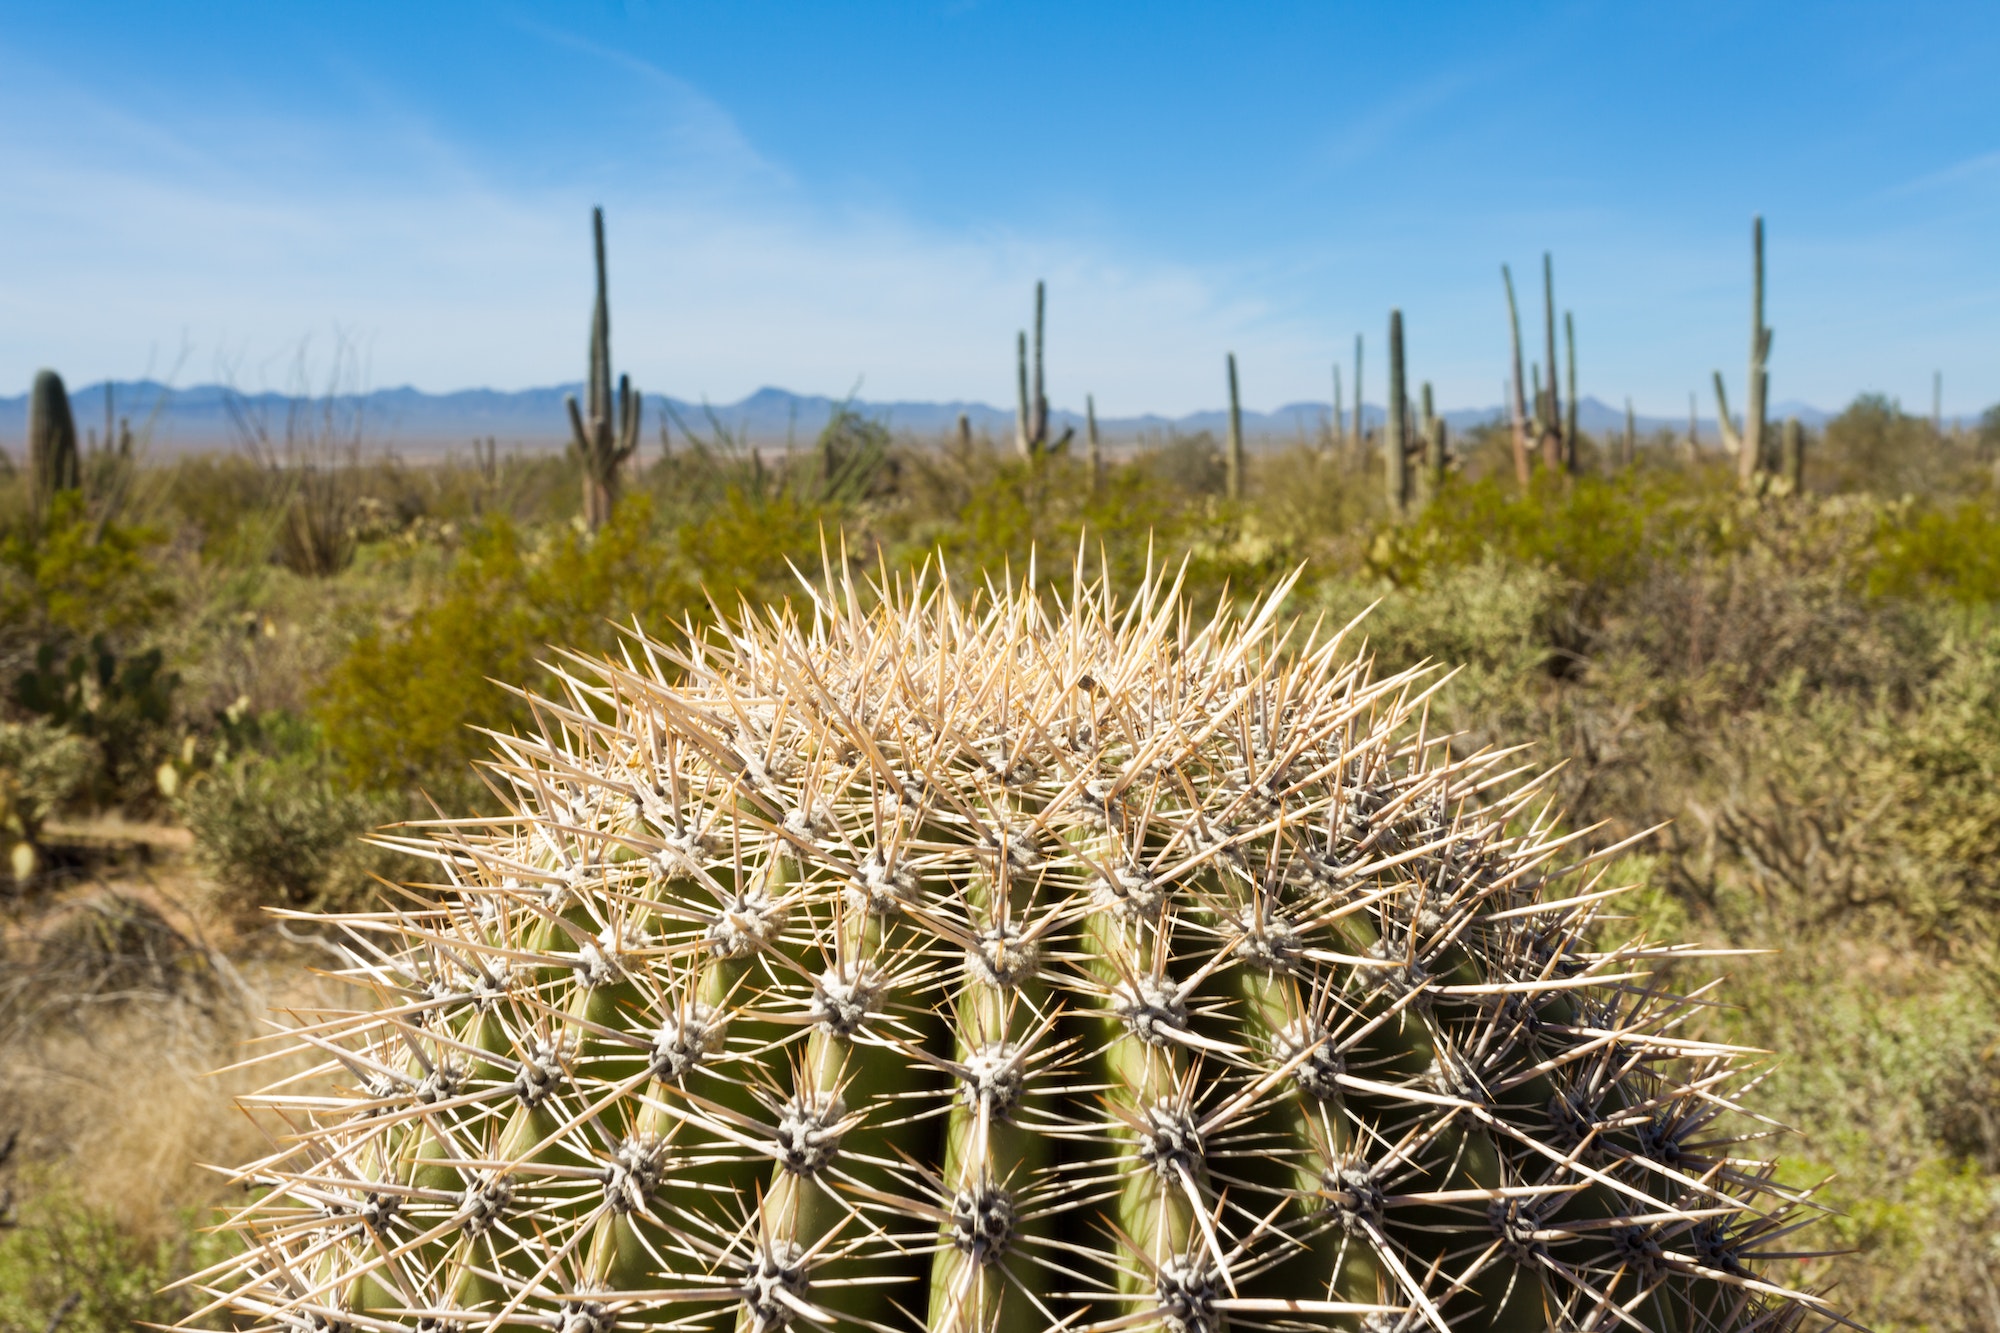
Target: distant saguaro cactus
column 1359, row 435
column 1748, row 445
column 1570, row 435
column 1436, row 447
column 1031, row 416
column 1396, row 436
column 53, row 464
column 606, row 433
column 1519, row 403
column 1792, row 462
column 1234, row 481
column 1552, row 417
column 1096, row 448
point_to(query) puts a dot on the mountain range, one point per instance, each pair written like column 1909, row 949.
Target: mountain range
column 412, row 422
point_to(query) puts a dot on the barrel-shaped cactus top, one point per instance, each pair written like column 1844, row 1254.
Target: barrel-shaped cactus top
column 1009, row 964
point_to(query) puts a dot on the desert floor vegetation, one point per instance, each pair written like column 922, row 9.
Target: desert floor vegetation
column 216, row 678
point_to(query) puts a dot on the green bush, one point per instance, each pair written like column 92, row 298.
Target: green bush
column 41, row 767
column 68, row 1258
column 283, row 831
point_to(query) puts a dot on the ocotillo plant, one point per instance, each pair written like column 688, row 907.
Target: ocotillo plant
column 1570, row 435
column 1792, row 460
column 53, row 463
column 995, row 966
column 1233, row 480
column 1396, row 433
column 605, row 433
column 1518, row 398
column 1552, row 418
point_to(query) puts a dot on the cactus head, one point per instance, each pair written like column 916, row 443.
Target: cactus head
column 1004, row 964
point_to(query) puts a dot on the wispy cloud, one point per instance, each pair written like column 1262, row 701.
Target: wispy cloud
column 453, row 276
column 1971, row 168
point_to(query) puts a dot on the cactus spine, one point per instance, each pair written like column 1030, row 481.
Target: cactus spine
column 1234, row 462
column 53, row 464
column 1518, row 403
column 1001, row 966
column 605, row 433
column 1395, row 435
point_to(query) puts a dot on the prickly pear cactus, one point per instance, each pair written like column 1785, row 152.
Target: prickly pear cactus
column 996, row 965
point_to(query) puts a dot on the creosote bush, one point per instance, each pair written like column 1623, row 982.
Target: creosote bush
column 1005, row 963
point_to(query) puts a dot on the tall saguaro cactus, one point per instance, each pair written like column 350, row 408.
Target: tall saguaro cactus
column 1552, row 418
column 1758, row 389
column 1395, row 436
column 1519, row 395
column 1569, row 421
column 1096, row 448
column 1234, row 480
column 52, row 458
column 1031, row 412
column 1336, row 434
column 606, row 433
column 1436, row 438
column 1359, row 435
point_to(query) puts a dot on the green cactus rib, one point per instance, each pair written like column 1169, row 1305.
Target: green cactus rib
column 1001, row 964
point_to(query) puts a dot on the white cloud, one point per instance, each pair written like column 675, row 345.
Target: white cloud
column 127, row 236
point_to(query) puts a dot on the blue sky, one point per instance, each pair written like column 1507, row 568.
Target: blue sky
column 811, row 195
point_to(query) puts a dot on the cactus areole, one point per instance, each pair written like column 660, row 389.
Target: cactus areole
column 1005, row 962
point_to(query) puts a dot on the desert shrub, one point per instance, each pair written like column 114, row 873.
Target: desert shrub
column 398, row 708
column 41, row 767
column 1873, row 445
column 1923, row 550
column 122, row 706
column 72, row 1266
column 282, row 831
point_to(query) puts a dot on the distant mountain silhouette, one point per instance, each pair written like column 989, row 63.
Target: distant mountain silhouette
column 410, row 421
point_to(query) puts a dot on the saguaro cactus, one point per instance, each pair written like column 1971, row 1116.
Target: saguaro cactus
column 1031, row 417
column 1758, row 389
column 1437, row 446
column 604, row 434
column 1006, row 967
column 1631, row 436
column 1359, row 434
column 1570, row 435
column 1519, row 403
column 1096, row 448
column 1337, row 429
column 1234, row 462
column 1552, row 417
column 53, row 463
column 1396, row 435
column 1792, row 461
